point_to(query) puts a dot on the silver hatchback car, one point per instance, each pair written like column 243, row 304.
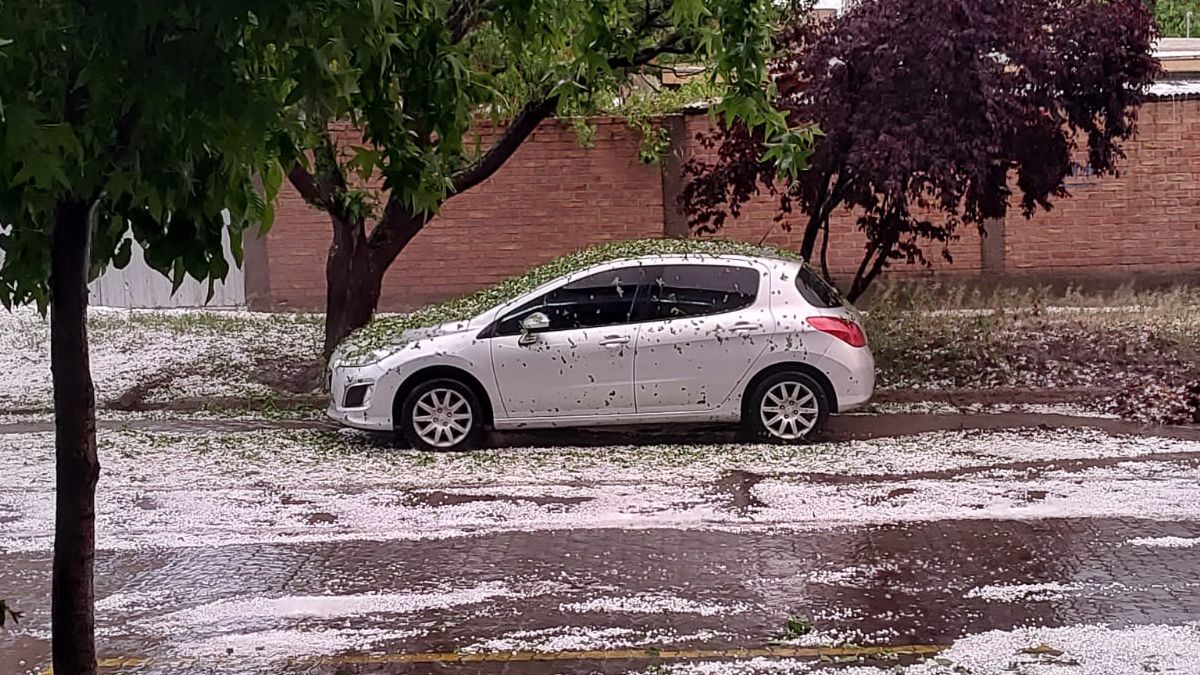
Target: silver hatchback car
column 660, row 339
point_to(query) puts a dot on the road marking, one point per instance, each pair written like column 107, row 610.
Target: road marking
column 119, row 662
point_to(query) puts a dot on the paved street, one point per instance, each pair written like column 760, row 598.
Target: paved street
column 304, row 551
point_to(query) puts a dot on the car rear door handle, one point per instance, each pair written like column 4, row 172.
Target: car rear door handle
column 744, row 327
column 614, row 341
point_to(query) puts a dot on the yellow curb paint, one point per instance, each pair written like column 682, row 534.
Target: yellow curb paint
column 113, row 663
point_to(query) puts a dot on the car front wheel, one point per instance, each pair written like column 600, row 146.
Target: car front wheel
column 442, row 416
column 788, row 407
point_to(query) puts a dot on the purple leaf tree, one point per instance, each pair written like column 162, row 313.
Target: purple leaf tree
column 936, row 114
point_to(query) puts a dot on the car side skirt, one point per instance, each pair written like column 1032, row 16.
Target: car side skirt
column 721, row 415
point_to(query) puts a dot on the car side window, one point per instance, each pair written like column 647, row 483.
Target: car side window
column 681, row 291
column 601, row 299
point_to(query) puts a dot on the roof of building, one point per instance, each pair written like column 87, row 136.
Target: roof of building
column 1175, row 46
column 1175, row 89
column 1178, row 56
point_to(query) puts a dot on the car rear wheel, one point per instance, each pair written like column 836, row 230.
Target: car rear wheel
column 442, row 416
column 789, row 407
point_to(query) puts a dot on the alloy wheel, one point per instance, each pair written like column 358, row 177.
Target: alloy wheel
column 442, row 417
column 789, row 411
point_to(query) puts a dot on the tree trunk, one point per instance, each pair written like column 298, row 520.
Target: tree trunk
column 77, row 468
column 352, row 283
column 809, row 242
column 870, row 269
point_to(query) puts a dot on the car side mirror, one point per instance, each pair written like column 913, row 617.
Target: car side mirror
column 532, row 324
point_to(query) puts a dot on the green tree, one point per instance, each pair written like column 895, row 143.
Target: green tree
column 413, row 76
column 124, row 124
column 1172, row 17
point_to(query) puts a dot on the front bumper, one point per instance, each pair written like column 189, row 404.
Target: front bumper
column 359, row 419
column 373, row 412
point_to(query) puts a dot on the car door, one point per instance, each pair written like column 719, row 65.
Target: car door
column 703, row 327
column 581, row 364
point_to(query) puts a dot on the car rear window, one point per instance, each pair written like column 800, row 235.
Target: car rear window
column 817, row 291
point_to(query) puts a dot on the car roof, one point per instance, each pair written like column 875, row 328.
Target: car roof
column 773, row 263
column 699, row 257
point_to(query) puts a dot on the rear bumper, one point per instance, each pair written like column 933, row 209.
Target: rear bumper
column 851, row 370
column 854, row 401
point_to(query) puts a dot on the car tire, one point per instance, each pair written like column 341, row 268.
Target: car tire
column 787, row 407
column 442, row 415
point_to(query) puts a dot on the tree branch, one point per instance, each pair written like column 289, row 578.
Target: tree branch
column 308, row 187
column 518, row 130
column 825, row 254
column 668, row 45
column 399, row 223
column 322, row 187
column 463, row 16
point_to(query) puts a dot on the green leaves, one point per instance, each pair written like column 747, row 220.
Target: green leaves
column 688, row 13
column 797, row 627
column 1172, row 17
column 426, row 72
column 789, row 151
column 385, row 333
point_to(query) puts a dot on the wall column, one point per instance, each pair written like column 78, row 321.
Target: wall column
column 992, row 247
column 256, row 265
column 675, row 224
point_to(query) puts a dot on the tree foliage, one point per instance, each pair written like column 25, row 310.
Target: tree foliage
column 936, row 114
column 1172, row 17
column 155, row 115
column 416, row 76
column 127, row 124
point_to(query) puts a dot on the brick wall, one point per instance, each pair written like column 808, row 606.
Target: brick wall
column 555, row 196
column 552, row 197
column 1147, row 219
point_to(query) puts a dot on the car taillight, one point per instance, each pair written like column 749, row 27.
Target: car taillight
column 842, row 329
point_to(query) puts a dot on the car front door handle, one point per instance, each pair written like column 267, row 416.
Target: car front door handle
column 615, row 341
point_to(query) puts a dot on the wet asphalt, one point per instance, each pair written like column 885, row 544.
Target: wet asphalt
column 903, row 584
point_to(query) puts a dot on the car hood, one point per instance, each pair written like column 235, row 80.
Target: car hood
column 353, row 355
column 448, row 328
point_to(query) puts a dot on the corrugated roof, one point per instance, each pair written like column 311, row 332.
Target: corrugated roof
column 1175, row 89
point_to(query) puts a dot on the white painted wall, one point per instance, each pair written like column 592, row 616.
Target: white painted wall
column 140, row 286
